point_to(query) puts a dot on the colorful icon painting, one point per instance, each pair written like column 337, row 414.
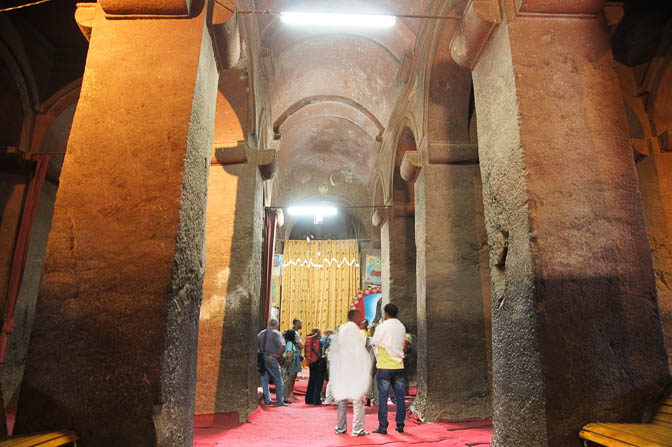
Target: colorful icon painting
column 276, row 280
column 373, row 270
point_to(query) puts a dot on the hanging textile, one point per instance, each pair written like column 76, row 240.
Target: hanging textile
column 319, row 279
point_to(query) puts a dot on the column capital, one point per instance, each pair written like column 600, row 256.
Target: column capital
column 379, row 217
column 145, row 8
column 479, row 20
column 267, row 160
column 411, row 164
column 559, row 7
column 85, row 14
column 437, row 153
column 243, row 153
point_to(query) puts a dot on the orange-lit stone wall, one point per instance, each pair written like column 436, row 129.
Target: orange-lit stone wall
column 113, row 347
column 655, row 178
column 226, row 374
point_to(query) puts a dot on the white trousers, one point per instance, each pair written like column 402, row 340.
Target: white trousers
column 357, row 418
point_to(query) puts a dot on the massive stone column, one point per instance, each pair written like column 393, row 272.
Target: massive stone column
column 452, row 356
column 113, row 347
column 397, row 246
column 575, row 318
column 397, row 243
column 230, row 315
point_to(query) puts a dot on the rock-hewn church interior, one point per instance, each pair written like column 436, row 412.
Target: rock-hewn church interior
column 180, row 179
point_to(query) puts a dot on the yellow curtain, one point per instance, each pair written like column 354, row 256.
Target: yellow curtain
column 319, row 280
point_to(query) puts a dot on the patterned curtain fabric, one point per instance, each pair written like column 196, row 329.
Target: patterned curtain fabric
column 319, row 280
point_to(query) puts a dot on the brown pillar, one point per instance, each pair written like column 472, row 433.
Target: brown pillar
column 113, row 348
column 397, row 244
column 575, row 318
column 230, row 314
column 655, row 177
column 13, row 186
column 452, row 356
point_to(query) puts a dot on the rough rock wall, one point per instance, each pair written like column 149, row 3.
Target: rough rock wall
column 575, row 323
column 655, row 179
column 113, row 345
column 13, row 186
column 12, row 370
column 230, row 317
column 452, row 355
column 397, row 240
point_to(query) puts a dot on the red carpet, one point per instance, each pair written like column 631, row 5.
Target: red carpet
column 307, row 425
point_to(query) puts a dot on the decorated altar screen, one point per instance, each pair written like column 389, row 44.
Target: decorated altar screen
column 319, row 279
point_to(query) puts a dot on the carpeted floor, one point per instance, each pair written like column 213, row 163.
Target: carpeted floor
column 308, row 426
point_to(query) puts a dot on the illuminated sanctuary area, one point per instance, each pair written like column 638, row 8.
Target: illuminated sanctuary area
column 481, row 189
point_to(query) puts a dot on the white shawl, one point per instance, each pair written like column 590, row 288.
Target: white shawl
column 349, row 363
column 390, row 335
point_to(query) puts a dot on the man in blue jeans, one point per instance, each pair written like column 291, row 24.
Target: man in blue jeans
column 388, row 343
column 272, row 345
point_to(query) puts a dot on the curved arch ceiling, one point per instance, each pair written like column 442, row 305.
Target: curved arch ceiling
column 332, row 95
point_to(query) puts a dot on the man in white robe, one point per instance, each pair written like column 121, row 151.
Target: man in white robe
column 350, row 373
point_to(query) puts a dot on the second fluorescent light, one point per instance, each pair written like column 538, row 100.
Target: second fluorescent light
column 337, row 20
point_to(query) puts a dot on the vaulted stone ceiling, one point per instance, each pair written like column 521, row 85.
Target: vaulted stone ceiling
column 332, row 93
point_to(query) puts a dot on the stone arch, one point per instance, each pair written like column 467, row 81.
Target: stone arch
column 373, row 39
column 51, row 109
column 294, row 108
column 22, row 92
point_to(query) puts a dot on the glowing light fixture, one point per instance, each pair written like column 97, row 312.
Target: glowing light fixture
column 312, row 210
column 318, row 212
column 322, row 19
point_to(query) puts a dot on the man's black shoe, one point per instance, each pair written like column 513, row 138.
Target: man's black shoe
column 400, row 429
column 380, row 431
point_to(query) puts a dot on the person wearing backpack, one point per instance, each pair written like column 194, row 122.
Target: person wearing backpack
column 317, row 366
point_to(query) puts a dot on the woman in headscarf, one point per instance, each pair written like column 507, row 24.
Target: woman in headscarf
column 292, row 365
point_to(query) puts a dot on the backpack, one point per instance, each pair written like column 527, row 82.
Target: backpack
column 313, row 353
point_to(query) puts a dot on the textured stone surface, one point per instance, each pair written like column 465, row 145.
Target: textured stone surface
column 12, row 371
column 13, row 185
column 655, row 176
column 230, row 314
column 452, row 356
column 576, row 324
column 113, row 348
column 397, row 243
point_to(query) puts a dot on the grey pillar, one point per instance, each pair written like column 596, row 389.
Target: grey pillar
column 452, row 354
column 576, row 324
column 397, row 244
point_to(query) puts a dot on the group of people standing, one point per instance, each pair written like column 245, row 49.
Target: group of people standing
column 346, row 359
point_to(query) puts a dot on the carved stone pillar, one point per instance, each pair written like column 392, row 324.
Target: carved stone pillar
column 227, row 370
column 576, row 323
column 452, row 353
column 397, row 243
column 113, row 348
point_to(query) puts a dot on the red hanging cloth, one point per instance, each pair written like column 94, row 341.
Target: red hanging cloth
column 21, row 250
